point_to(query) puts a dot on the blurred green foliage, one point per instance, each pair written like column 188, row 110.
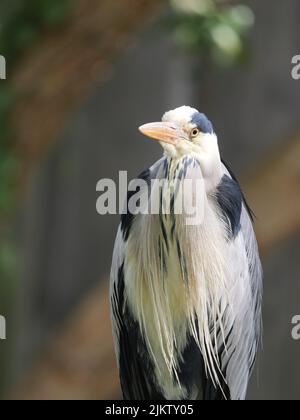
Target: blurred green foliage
column 27, row 21
column 215, row 28
column 8, row 293
column 7, row 157
column 22, row 22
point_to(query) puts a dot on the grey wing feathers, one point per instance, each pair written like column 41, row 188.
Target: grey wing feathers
column 245, row 338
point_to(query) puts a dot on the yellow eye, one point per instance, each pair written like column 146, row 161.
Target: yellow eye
column 195, row 132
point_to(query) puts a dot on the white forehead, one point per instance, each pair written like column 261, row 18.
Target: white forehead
column 181, row 115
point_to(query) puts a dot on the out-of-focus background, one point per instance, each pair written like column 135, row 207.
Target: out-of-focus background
column 82, row 75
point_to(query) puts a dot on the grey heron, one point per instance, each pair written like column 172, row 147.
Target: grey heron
column 186, row 300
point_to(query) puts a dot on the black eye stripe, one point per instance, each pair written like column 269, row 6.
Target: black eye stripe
column 202, row 122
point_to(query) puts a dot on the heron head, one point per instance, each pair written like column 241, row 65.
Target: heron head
column 184, row 131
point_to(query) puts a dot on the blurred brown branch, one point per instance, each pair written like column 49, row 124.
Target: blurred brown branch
column 55, row 76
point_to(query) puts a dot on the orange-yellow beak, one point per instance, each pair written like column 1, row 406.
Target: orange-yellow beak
column 162, row 131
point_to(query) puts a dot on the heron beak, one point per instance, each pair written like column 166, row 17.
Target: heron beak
column 162, row 131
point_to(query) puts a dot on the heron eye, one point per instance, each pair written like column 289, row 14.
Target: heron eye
column 195, row 132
